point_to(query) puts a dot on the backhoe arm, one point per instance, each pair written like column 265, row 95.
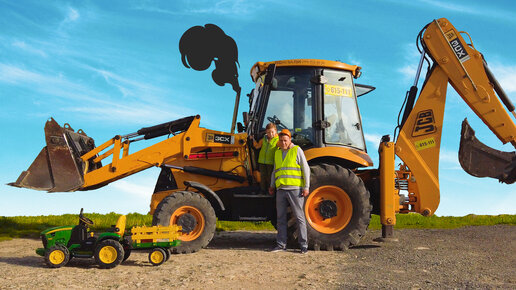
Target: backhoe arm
column 71, row 162
column 418, row 143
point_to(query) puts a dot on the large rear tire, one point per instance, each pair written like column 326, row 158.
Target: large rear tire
column 337, row 210
column 193, row 213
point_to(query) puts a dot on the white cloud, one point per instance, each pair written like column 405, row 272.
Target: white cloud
column 223, row 7
column 411, row 61
column 124, row 85
column 453, row 7
column 408, row 71
column 27, row 48
column 135, row 114
column 353, row 60
column 449, row 160
column 506, row 76
column 98, row 105
column 72, row 15
column 487, row 10
column 15, row 75
column 373, row 138
column 134, row 188
column 227, row 7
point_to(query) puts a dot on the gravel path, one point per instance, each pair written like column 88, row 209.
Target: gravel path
column 469, row 257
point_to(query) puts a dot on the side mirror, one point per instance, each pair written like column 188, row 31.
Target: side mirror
column 363, row 89
column 240, row 127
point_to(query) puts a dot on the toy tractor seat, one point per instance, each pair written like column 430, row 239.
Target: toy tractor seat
column 120, row 225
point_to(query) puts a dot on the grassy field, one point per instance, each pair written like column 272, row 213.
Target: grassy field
column 31, row 226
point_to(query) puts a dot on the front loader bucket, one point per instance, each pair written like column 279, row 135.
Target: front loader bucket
column 481, row 160
column 58, row 167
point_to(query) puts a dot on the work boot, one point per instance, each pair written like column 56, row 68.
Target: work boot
column 278, row 248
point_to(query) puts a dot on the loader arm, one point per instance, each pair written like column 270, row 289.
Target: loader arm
column 419, row 139
column 67, row 164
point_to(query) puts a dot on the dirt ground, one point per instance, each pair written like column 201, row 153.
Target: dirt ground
column 470, row 257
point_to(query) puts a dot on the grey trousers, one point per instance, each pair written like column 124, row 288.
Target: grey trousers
column 295, row 199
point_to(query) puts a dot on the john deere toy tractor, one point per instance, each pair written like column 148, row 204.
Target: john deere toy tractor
column 65, row 242
column 110, row 248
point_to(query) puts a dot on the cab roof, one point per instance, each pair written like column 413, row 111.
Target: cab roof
column 260, row 67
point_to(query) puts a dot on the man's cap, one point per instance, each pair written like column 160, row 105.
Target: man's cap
column 285, row 132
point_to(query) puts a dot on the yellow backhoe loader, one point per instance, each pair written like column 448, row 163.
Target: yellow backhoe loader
column 207, row 174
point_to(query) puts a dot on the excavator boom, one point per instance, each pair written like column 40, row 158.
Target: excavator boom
column 470, row 76
column 418, row 144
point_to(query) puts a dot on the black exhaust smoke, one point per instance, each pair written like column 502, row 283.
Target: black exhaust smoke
column 200, row 45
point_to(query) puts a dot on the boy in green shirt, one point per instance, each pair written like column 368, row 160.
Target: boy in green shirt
column 267, row 146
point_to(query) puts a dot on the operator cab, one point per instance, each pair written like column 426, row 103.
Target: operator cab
column 315, row 99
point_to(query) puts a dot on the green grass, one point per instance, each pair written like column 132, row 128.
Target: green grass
column 416, row 221
column 31, row 226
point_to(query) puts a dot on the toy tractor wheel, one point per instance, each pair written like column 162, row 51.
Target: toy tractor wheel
column 193, row 213
column 109, row 254
column 127, row 250
column 57, row 256
column 167, row 252
column 157, row 256
column 337, row 211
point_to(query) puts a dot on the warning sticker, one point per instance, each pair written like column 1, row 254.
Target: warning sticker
column 457, row 46
column 338, row 91
column 425, row 144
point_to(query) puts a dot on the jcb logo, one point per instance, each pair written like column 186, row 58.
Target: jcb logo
column 425, row 124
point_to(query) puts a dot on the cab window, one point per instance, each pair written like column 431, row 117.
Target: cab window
column 340, row 110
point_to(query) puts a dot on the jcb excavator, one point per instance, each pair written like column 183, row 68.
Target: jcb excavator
column 207, row 174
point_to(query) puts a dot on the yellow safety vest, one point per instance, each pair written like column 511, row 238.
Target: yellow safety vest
column 267, row 152
column 288, row 172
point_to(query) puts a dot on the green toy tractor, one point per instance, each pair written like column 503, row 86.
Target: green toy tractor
column 60, row 244
column 66, row 242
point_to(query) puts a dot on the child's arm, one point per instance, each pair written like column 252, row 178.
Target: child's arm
column 257, row 145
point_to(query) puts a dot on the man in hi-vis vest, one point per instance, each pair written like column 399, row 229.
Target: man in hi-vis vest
column 291, row 178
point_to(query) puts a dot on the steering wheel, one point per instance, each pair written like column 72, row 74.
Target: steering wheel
column 275, row 120
column 84, row 219
column 303, row 138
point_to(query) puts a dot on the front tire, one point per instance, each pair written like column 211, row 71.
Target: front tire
column 109, row 254
column 338, row 209
column 193, row 213
column 57, row 256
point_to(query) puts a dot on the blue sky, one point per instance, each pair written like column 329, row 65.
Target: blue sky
column 112, row 67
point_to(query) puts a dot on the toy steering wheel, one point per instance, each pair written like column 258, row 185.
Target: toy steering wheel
column 84, row 219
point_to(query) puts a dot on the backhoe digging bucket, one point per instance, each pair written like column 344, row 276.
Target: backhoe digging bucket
column 58, row 167
column 481, row 160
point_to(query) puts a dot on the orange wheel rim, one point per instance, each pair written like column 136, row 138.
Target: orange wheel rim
column 339, row 198
column 199, row 218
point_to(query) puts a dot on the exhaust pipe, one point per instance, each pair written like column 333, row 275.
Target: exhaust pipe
column 58, row 167
column 480, row 160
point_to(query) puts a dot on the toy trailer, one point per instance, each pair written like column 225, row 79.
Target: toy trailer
column 157, row 238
